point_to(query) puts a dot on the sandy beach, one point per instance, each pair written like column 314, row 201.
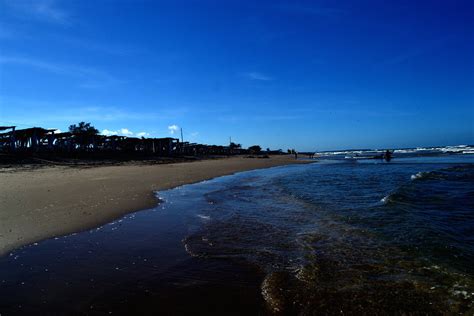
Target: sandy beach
column 51, row 201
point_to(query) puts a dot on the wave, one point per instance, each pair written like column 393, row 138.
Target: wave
column 385, row 199
column 419, row 175
column 313, row 251
column 204, row 217
column 411, row 192
column 456, row 149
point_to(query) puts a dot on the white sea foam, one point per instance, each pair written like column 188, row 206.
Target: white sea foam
column 441, row 149
column 204, row 217
column 418, row 175
column 405, row 151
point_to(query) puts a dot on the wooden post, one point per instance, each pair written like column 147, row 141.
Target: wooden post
column 13, row 139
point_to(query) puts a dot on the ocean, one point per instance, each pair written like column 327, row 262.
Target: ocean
column 341, row 235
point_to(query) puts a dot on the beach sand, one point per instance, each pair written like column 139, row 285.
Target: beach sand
column 52, row 201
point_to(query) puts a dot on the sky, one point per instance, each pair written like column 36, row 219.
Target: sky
column 309, row 75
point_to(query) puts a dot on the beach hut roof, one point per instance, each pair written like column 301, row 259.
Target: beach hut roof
column 28, row 132
column 65, row 134
column 2, row 128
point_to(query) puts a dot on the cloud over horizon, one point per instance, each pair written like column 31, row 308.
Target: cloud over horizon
column 124, row 132
column 172, row 129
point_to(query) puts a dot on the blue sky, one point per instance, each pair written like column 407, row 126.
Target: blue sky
column 310, row 75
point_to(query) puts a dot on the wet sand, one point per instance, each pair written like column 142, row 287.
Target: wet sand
column 47, row 202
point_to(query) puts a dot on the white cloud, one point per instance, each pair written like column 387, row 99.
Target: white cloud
column 34, row 112
column 107, row 132
column 121, row 132
column 142, row 134
column 101, row 47
column 258, row 76
column 415, row 52
column 173, row 129
column 41, row 10
column 194, row 134
column 90, row 77
column 125, row 132
column 56, row 130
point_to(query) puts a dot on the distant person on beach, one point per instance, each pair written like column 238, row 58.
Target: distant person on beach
column 387, row 156
column 296, row 154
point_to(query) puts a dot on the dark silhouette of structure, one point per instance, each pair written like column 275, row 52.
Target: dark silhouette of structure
column 38, row 139
column 83, row 141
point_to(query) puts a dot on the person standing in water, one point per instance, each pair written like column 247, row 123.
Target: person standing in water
column 387, row 156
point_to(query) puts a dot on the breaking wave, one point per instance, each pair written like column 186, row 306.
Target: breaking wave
column 323, row 244
column 419, row 175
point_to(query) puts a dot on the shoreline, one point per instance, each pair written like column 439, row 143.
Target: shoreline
column 43, row 203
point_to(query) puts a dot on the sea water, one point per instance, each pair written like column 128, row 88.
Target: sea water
column 334, row 236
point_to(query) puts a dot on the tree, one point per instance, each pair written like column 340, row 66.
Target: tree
column 84, row 134
column 255, row 149
column 235, row 146
column 83, row 128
